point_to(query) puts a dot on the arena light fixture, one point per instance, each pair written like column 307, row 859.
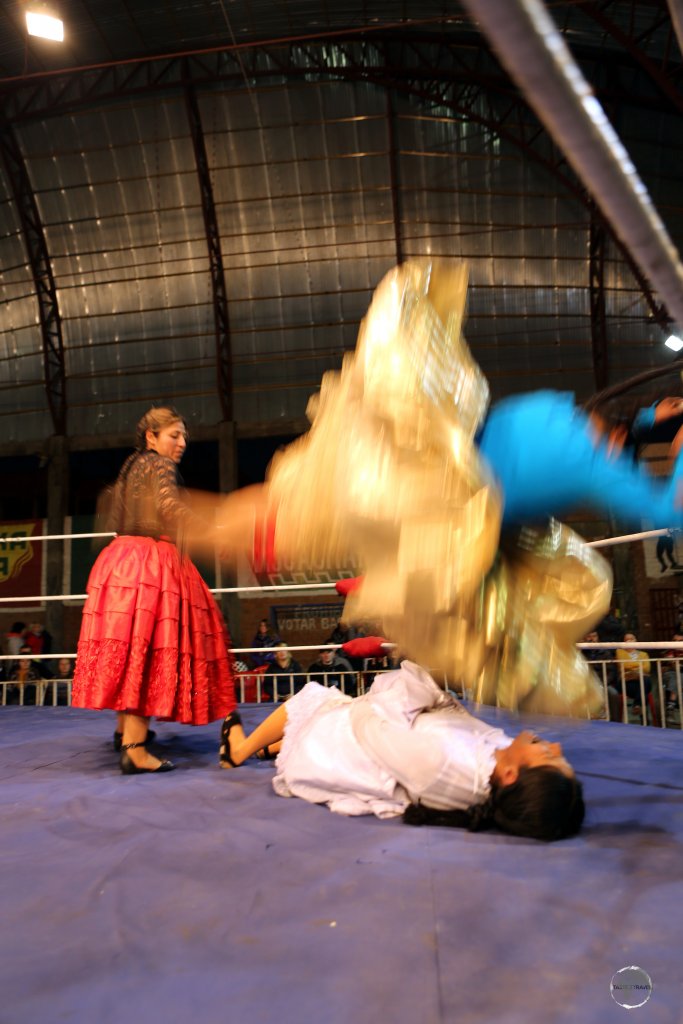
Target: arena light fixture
column 674, row 343
column 42, row 20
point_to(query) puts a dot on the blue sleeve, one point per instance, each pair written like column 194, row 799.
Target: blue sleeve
column 643, row 421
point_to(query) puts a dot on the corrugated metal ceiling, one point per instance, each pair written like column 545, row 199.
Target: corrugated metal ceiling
column 321, row 179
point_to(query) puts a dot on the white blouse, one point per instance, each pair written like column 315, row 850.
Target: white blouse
column 405, row 740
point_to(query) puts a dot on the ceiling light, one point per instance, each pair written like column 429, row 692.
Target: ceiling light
column 42, row 21
column 674, row 343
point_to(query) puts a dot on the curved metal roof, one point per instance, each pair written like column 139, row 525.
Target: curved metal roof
column 207, row 227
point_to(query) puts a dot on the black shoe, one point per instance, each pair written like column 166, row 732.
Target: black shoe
column 118, row 739
column 232, row 719
column 128, row 767
column 266, row 754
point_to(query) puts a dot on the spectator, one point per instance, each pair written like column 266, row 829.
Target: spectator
column 40, row 642
column 610, row 629
column 264, row 637
column 25, row 671
column 601, row 654
column 334, row 670
column 631, row 661
column 15, row 640
column 341, row 634
column 63, row 674
column 65, row 669
column 288, row 672
column 669, row 677
column 665, row 547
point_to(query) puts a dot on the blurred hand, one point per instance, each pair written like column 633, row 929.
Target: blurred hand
column 668, row 408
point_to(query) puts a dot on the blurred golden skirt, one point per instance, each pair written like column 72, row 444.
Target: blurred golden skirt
column 389, row 478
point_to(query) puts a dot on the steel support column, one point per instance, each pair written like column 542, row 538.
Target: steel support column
column 394, row 178
column 596, row 274
column 213, row 242
column 39, row 261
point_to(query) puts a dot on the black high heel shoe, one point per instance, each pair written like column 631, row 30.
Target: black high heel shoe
column 224, row 755
column 128, row 766
column 118, row 739
column 266, row 754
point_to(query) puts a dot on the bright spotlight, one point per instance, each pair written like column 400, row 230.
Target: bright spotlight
column 674, row 343
column 42, row 21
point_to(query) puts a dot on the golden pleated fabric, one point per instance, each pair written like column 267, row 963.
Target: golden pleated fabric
column 390, row 481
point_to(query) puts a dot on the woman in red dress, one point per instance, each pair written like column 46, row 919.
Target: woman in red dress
column 152, row 640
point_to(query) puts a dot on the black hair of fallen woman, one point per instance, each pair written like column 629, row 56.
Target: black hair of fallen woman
column 543, row 803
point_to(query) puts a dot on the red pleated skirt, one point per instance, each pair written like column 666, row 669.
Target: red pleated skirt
column 152, row 641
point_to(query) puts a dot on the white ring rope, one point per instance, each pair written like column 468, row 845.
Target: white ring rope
column 606, row 645
column 637, row 645
column 652, row 645
column 214, row 590
column 626, row 538
column 54, row 536
column 234, row 650
column 269, row 588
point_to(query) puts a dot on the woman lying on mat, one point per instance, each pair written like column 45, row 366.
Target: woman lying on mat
column 406, row 747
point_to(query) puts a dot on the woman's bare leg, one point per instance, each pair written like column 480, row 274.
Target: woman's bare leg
column 268, row 733
column 135, row 731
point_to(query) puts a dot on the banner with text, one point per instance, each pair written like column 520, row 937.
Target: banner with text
column 298, row 618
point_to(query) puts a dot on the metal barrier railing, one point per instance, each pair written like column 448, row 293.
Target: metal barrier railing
column 665, row 689
column 253, row 687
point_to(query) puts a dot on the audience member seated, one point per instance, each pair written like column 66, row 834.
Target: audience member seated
column 669, row 678
column 331, row 669
column 611, row 628
column 341, row 634
column 287, row 671
column 603, row 654
column 630, row 661
column 264, row 637
column 63, row 674
column 25, row 671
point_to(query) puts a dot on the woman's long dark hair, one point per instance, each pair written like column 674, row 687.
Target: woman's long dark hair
column 543, row 803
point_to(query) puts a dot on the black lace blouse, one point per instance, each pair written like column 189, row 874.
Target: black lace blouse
column 147, row 500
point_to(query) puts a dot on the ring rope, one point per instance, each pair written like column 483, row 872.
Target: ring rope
column 266, row 588
column 234, row 650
